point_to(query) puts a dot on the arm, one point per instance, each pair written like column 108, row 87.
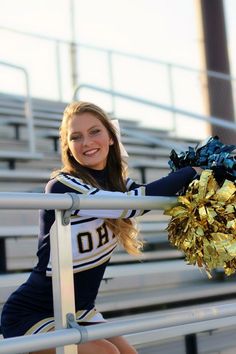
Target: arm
column 174, row 182
column 165, row 186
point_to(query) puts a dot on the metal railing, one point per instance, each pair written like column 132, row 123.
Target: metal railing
column 208, row 119
column 171, row 75
column 27, row 104
column 67, row 332
column 166, row 79
column 173, row 325
column 63, row 293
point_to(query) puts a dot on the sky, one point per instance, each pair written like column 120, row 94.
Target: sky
column 165, row 30
column 133, row 25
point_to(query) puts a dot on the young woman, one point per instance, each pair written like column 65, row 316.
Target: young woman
column 92, row 165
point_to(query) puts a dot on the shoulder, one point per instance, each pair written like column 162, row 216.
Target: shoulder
column 65, row 182
column 54, row 185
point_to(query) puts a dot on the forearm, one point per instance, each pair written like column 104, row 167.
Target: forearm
column 171, row 184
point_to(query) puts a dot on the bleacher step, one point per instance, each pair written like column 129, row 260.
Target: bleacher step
column 157, row 296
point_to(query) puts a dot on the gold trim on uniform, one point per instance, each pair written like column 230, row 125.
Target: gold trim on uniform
column 46, row 327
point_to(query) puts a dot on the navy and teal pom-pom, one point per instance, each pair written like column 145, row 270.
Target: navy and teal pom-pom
column 203, row 224
column 214, row 155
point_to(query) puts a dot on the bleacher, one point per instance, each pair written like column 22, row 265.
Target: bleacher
column 156, row 282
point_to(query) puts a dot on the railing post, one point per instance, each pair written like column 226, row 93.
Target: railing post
column 172, row 101
column 62, row 279
column 111, row 80
column 58, row 69
column 29, row 115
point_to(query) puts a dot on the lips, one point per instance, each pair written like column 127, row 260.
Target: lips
column 91, row 152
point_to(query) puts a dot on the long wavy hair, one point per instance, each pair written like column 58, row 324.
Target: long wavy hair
column 124, row 229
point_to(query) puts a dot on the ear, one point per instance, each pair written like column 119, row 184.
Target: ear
column 111, row 142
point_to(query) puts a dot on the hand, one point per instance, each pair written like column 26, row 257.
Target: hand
column 198, row 170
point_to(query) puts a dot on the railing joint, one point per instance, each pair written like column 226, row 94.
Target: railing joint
column 67, row 213
column 71, row 323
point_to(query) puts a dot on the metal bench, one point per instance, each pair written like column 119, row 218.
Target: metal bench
column 12, row 156
column 24, row 175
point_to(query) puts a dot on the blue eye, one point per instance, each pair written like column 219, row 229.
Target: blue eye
column 95, row 131
column 76, row 137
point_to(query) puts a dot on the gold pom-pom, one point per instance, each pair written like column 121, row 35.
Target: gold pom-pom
column 203, row 224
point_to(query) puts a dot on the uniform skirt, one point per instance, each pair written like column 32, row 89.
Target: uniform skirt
column 14, row 325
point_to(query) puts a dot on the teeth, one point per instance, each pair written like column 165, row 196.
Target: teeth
column 90, row 152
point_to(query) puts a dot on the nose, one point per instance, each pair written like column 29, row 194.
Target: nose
column 86, row 140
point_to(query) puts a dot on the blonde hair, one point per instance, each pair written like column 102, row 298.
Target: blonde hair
column 124, row 229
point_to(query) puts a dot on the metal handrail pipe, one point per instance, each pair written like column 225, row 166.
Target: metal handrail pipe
column 181, row 330
column 212, row 73
column 13, row 66
column 11, row 200
column 152, row 140
column 58, row 338
column 209, row 119
column 75, row 201
column 122, row 327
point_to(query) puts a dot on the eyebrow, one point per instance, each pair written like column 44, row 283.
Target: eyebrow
column 78, row 132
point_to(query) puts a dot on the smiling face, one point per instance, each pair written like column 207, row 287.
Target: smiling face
column 88, row 140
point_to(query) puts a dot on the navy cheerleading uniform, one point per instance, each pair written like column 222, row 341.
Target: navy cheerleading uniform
column 29, row 309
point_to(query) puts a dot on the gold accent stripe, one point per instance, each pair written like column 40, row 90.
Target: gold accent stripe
column 81, row 269
column 46, row 327
column 124, row 213
column 72, row 185
column 44, row 324
column 94, row 265
column 143, row 191
column 86, row 318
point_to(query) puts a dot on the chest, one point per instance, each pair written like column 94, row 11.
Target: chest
column 91, row 237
